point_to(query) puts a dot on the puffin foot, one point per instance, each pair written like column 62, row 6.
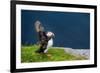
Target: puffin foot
column 39, row 51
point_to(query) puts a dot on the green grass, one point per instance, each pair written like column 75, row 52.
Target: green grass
column 28, row 55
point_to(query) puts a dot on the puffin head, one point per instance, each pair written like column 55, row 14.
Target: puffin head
column 50, row 34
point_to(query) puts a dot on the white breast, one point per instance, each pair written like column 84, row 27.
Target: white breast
column 50, row 44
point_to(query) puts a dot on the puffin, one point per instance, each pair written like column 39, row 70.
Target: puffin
column 45, row 38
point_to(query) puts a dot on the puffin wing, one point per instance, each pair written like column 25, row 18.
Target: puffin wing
column 40, row 30
column 38, row 26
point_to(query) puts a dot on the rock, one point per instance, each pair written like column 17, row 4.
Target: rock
column 78, row 52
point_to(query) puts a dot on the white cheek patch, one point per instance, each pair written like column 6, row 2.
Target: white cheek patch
column 49, row 34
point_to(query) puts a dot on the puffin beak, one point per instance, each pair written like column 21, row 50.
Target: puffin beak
column 53, row 35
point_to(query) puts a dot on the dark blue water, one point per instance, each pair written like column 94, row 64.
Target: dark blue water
column 71, row 29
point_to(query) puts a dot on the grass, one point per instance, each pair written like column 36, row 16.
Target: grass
column 28, row 55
